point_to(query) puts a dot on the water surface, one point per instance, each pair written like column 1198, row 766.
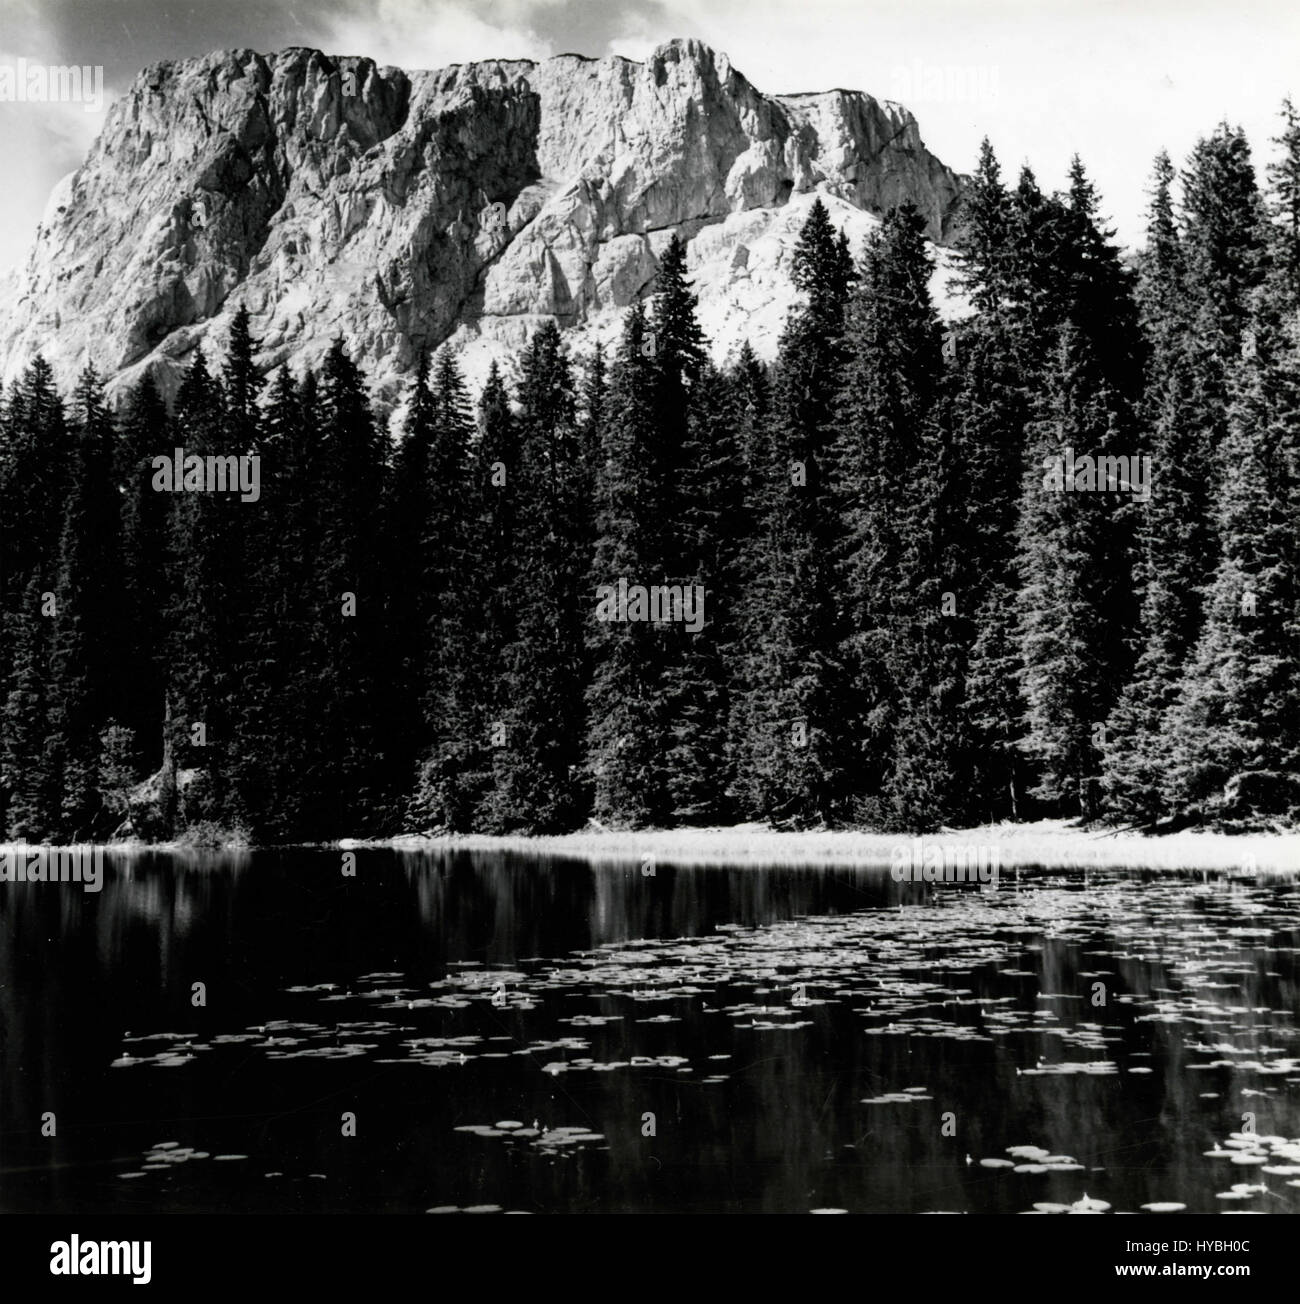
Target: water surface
column 509, row 1033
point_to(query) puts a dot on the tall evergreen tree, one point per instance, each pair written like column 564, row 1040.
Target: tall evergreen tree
column 796, row 754
column 1235, row 732
column 87, row 669
column 537, row 780
column 753, row 670
column 711, row 524
column 1074, row 599
column 1173, row 535
column 1284, row 203
column 984, row 249
column 202, row 619
column 1224, row 238
column 628, row 732
column 145, row 434
column 347, row 601
column 31, row 763
column 987, row 416
column 279, row 768
column 496, row 469
column 891, row 486
column 451, row 778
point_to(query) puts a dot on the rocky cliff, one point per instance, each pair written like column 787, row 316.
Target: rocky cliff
column 404, row 209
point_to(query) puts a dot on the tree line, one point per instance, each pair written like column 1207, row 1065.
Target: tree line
column 929, row 596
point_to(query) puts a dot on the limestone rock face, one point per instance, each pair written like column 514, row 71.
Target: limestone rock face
column 406, row 209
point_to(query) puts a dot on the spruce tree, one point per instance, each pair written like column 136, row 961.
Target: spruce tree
column 1235, row 732
column 984, row 246
column 891, row 484
column 697, row 683
column 285, row 760
column 752, row 669
column 87, row 668
column 348, row 761
column 496, row 469
column 146, row 576
column 537, row 780
column 986, row 418
column 1284, row 203
column 1173, row 535
column 628, row 731
column 202, row 622
column 451, row 779
column 32, row 763
column 797, row 754
column 1074, row 596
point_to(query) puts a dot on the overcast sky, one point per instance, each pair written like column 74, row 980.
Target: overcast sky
column 1114, row 80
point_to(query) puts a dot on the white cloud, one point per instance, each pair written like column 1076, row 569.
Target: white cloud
column 39, row 144
column 410, row 34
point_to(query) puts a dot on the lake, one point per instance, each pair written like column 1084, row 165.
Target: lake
column 454, row 1030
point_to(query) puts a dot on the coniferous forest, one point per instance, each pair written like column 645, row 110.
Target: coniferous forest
column 1040, row 561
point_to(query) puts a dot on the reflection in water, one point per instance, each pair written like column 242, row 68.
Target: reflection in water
column 471, row 1030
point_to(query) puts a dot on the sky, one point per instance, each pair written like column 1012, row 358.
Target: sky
column 1113, row 80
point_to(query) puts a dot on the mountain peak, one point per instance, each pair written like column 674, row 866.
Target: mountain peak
column 467, row 204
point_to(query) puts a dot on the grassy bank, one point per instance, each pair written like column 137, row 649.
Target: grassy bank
column 1046, row 842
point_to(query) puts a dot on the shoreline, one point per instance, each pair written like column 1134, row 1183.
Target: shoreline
column 1048, row 844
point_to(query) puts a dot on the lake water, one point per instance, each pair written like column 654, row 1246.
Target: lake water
column 512, row 1033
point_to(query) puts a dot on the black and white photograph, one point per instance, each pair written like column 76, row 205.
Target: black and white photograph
column 650, row 608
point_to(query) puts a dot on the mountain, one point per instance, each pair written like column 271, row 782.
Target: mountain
column 404, row 209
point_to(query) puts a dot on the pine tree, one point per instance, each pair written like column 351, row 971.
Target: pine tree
column 410, row 509
column 36, row 476
column 986, row 418
column 796, row 754
column 249, row 530
column 753, row 672
column 451, row 777
column 628, row 732
column 1174, row 540
column 1224, row 235
column 145, row 434
column 1074, row 597
column 1234, row 729
column 1284, row 203
column 31, row 761
column 537, row 783
column 696, row 682
column 282, row 766
column 676, row 348
column 496, row 470
column 202, row 622
column 1100, row 288
column 1162, row 269
column 348, row 761
column 984, row 247
column 87, row 670
column 34, row 470
column 1037, row 297
column 891, row 484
